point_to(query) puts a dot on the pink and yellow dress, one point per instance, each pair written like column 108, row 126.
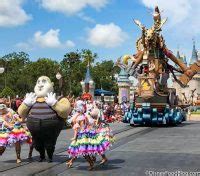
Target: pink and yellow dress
column 104, row 130
column 18, row 133
column 88, row 141
column 4, row 133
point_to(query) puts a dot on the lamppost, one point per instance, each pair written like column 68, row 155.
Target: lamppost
column 116, row 76
column 115, row 99
column 112, row 98
column 2, row 70
column 69, row 77
column 59, row 78
column 102, row 97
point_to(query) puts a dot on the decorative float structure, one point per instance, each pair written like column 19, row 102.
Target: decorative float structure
column 155, row 103
column 124, row 86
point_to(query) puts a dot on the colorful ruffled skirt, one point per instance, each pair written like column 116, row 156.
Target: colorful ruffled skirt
column 105, row 131
column 88, row 142
column 4, row 135
column 20, row 134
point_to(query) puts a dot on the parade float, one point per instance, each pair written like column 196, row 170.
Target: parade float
column 154, row 103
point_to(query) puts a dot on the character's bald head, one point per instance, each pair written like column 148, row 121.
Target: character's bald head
column 43, row 86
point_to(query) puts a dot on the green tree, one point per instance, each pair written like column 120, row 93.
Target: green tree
column 88, row 56
column 7, row 91
column 70, row 67
column 14, row 64
column 103, row 75
column 71, row 58
column 21, row 74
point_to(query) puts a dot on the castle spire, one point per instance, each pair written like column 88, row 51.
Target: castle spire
column 178, row 54
column 184, row 60
column 194, row 54
column 87, row 76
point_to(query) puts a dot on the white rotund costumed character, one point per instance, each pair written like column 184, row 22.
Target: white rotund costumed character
column 45, row 116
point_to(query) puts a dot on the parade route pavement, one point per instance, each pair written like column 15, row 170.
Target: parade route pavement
column 138, row 151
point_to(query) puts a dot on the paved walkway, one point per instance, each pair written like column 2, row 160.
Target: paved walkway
column 139, row 151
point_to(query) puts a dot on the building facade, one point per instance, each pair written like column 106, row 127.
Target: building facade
column 124, row 86
column 88, row 85
column 190, row 93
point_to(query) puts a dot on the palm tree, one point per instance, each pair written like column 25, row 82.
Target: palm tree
column 88, row 56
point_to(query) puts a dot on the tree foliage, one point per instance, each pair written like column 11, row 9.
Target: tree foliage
column 6, row 92
column 21, row 73
column 88, row 56
column 14, row 64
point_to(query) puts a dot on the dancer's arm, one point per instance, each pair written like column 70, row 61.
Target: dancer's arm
column 75, row 128
column 75, row 134
column 7, row 124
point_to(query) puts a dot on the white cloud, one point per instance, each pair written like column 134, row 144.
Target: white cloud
column 12, row 13
column 85, row 18
column 70, row 44
column 50, row 39
column 71, row 7
column 108, row 35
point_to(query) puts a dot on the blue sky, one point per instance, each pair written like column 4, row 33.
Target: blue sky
column 50, row 28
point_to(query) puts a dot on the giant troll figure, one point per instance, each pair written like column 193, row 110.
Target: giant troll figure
column 45, row 116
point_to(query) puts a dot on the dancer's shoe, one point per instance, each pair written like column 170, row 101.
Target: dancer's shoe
column 104, row 161
column 69, row 164
column 91, row 166
column 18, row 161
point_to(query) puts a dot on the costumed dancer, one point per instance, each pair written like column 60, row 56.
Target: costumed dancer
column 12, row 131
column 45, row 116
column 124, row 107
column 108, row 113
column 75, row 120
column 102, row 129
column 5, row 129
column 87, row 142
column 118, row 113
column 89, row 106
